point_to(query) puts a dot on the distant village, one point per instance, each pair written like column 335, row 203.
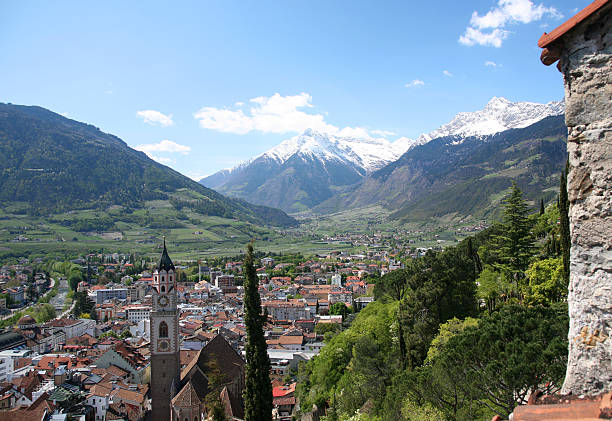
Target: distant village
column 94, row 363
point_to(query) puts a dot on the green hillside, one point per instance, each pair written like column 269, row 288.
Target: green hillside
column 51, row 164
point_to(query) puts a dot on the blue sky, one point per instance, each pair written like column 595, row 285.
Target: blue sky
column 201, row 86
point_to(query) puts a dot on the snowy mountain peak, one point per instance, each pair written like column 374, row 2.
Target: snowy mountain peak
column 368, row 154
column 498, row 115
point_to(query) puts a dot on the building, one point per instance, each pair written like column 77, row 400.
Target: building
column 17, row 294
column 12, row 340
column 7, row 362
column 103, row 295
column 177, row 394
column 290, row 310
column 583, row 48
column 345, row 297
column 137, row 313
column 164, row 339
column 336, row 280
column 219, row 355
column 224, row 281
column 137, row 292
column 71, row 328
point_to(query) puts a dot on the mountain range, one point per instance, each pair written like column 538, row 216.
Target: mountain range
column 455, row 176
column 326, row 172
column 55, row 164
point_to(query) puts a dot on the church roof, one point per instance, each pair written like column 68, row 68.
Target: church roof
column 186, row 397
column 165, row 263
column 229, row 363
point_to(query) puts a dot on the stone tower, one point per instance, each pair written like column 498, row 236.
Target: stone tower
column 165, row 347
column 583, row 47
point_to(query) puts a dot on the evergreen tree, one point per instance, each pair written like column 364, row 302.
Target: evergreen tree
column 541, row 206
column 515, row 242
column 564, row 224
column 473, row 254
column 258, row 388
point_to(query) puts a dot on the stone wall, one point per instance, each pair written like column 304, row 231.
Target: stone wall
column 586, row 63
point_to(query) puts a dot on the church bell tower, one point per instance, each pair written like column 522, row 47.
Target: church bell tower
column 165, row 347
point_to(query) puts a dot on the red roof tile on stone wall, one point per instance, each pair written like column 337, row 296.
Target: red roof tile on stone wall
column 571, row 23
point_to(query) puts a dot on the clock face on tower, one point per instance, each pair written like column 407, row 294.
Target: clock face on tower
column 163, row 301
column 163, row 345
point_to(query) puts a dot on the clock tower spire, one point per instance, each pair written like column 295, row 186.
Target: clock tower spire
column 165, row 347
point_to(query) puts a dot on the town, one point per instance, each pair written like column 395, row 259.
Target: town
column 92, row 360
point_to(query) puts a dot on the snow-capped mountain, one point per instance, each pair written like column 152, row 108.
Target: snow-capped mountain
column 368, row 154
column 307, row 169
column 220, row 177
column 498, row 115
column 304, row 170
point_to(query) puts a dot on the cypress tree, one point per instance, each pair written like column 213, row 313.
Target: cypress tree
column 473, row 254
column 564, row 224
column 258, row 388
column 541, row 206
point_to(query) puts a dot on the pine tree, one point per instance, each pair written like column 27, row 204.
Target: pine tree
column 258, row 388
column 515, row 242
column 564, row 223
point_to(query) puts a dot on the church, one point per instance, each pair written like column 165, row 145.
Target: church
column 181, row 395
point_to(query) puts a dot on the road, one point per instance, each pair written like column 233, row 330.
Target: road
column 14, row 310
column 60, row 298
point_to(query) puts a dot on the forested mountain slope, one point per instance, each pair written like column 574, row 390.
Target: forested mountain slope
column 57, row 164
column 464, row 176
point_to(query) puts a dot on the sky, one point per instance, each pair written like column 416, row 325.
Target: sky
column 201, row 86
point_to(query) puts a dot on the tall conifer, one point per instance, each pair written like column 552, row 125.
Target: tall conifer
column 515, row 241
column 258, row 388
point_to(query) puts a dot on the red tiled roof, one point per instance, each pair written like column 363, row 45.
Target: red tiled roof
column 280, row 391
column 571, row 23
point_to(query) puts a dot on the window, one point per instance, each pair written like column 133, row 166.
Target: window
column 163, row 330
column 163, row 289
column 163, row 280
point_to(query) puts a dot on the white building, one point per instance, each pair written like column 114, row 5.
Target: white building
column 71, row 328
column 7, row 362
column 336, row 280
column 137, row 313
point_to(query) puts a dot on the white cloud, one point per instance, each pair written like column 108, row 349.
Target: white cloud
column 414, row 83
column 273, row 114
column 447, row 73
column 155, row 117
column 278, row 114
column 382, row 133
column 487, row 30
column 163, row 146
column 489, row 63
column 477, row 37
